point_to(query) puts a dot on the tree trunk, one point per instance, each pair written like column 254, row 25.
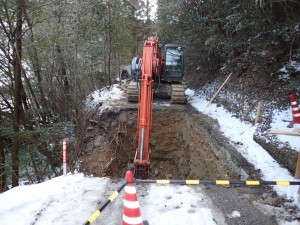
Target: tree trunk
column 109, row 43
column 17, row 68
column 35, row 167
column 2, row 161
column 33, row 54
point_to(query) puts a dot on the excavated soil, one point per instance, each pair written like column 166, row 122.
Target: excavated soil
column 185, row 144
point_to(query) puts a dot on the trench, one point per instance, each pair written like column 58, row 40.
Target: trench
column 185, row 144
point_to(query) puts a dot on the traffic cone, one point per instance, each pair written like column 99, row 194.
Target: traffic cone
column 131, row 213
column 295, row 109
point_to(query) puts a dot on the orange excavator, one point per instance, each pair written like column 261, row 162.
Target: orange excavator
column 151, row 74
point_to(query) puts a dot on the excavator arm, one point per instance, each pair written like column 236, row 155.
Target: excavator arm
column 148, row 73
column 151, row 66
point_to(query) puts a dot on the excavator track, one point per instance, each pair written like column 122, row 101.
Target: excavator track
column 177, row 94
column 132, row 92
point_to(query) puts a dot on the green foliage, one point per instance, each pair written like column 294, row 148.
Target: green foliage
column 70, row 48
column 212, row 30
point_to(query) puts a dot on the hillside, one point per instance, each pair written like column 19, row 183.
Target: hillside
column 267, row 75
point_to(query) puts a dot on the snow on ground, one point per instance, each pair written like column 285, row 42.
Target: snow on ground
column 73, row 198
column 178, row 205
column 62, row 200
column 241, row 132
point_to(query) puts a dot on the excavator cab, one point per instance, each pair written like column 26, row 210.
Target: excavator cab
column 174, row 63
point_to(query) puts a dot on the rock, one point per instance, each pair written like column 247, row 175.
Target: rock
column 169, row 175
column 156, row 172
column 98, row 142
column 89, row 148
column 266, row 195
column 268, row 201
column 278, row 202
column 152, row 142
column 297, row 216
column 290, row 125
column 130, row 166
column 288, row 218
column 89, row 129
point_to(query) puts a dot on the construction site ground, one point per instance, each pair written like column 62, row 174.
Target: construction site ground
column 185, row 144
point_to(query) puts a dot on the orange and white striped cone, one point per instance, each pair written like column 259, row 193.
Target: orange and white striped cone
column 131, row 213
column 295, row 110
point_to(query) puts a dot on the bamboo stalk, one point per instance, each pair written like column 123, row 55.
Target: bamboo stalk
column 219, row 90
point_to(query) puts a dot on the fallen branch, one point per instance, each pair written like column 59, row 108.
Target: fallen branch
column 93, row 122
column 282, row 132
column 219, row 90
column 258, row 112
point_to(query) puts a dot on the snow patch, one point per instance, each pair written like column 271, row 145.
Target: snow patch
column 234, row 214
column 189, row 92
column 280, row 121
column 284, row 72
column 104, row 97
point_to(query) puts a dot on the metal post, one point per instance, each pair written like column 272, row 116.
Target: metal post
column 142, row 144
column 65, row 156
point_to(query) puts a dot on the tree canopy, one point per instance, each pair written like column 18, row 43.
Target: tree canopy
column 52, row 55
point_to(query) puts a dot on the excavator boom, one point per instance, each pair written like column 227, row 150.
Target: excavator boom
column 146, row 72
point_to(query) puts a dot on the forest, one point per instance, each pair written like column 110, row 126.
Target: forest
column 54, row 53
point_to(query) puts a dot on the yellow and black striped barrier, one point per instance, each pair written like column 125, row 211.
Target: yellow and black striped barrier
column 219, row 182
column 109, row 200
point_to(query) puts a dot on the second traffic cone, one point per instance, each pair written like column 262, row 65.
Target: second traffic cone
column 132, row 213
column 295, row 109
